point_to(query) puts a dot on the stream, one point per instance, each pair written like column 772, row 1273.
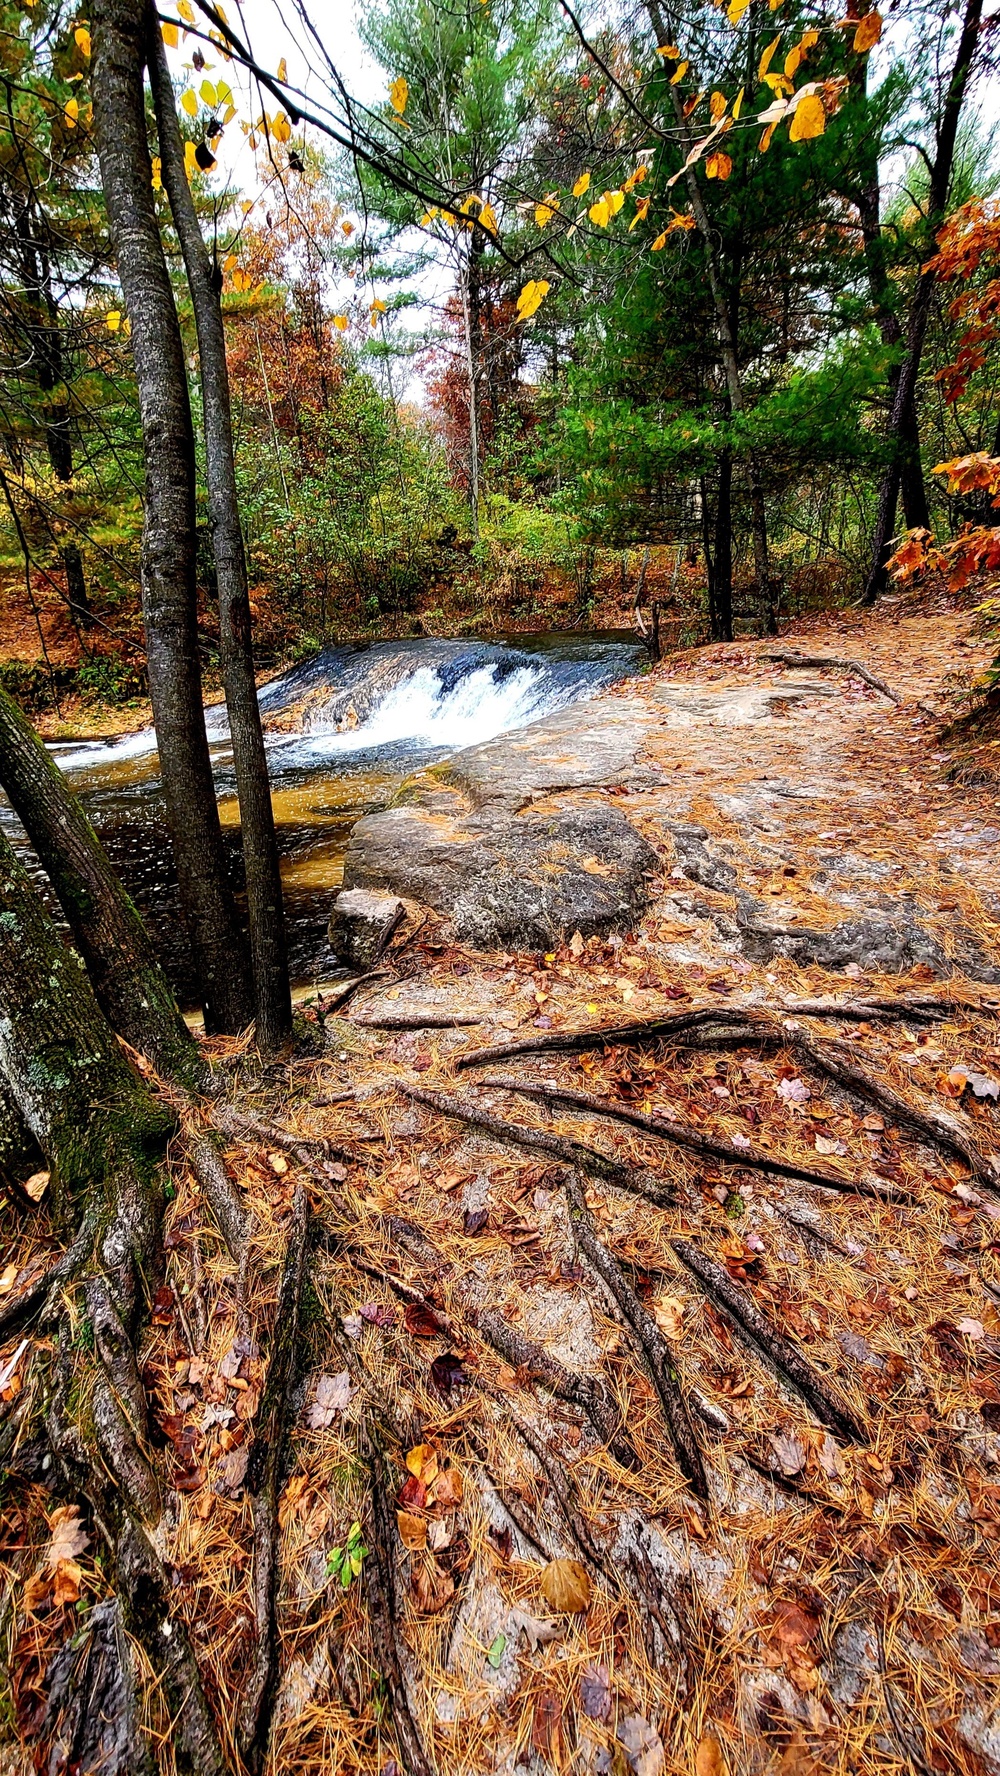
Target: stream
column 343, row 730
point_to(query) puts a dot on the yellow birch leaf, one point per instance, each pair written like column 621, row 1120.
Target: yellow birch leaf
column 766, row 58
column 488, row 218
column 113, row 320
column 230, row 113
column 679, row 73
column 717, row 106
column 71, row 111
column 582, row 185
column 641, row 212
column 671, row 50
column 281, row 129
column 190, row 158
column 600, row 213
column 186, row 11
column 82, row 39
column 531, row 298
column 170, row 35
column 399, row 92
column 615, row 200
column 809, row 119
column 189, row 103
column 660, row 242
column 282, row 73
column 735, row 10
column 718, row 166
column 208, row 93
column 341, row 322
column 347, row 229
column 157, row 168
column 868, row 32
column 765, row 140
column 230, row 262
column 544, row 212
column 378, row 306
column 738, row 104
column 792, row 60
column 808, row 40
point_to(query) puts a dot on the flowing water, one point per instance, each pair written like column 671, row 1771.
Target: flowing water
column 343, row 730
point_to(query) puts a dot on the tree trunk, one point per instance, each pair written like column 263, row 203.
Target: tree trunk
column 260, row 850
column 128, row 981
column 909, row 370
column 722, row 555
column 168, row 552
column 868, row 201
column 470, row 368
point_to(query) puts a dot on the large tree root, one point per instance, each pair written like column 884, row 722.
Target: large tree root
column 571, row 1153
column 777, row 1350
column 737, row 1022
column 219, row 1192
column 416, row 1020
column 263, row 1481
column 656, row 1352
column 942, row 1128
column 683, row 1135
column 384, row 1612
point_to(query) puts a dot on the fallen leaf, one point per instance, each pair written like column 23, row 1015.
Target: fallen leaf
column 496, row 1652
column 333, row 1395
column 790, row 1453
column 8, row 1278
column 449, row 1488
column 971, row 1328
column 546, row 1727
column 447, row 1373
column 36, row 1186
column 595, row 1693
column 874, row 1124
column 412, row 1530
column 536, row 1631
column 794, row 1091
column 565, row 1586
column 68, row 1535
column 824, row 1145
column 708, row 1759
column 439, row 1536
column 475, row 1220
column 432, row 1588
column 668, row 1313
column 642, row 1746
column 278, row 1164
column 377, row 1315
column 421, row 1461
column 66, row 1582
column 421, row 1321
column 830, row 1460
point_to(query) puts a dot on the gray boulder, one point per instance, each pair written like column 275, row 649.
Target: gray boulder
column 361, row 924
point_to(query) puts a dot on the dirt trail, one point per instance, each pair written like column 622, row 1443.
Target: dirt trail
column 752, row 1416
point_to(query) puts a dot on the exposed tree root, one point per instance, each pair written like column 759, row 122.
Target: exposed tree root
column 560, row 1484
column 263, row 1481
column 656, row 1352
column 415, row 1020
column 681, row 1134
column 91, row 1714
column 571, row 1153
column 942, row 1128
column 384, row 1612
column 772, row 1345
column 219, row 1191
column 737, row 1022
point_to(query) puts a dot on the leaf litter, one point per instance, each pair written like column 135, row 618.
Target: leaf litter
column 814, row 1615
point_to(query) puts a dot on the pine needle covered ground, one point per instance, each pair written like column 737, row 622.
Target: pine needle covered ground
column 675, row 1450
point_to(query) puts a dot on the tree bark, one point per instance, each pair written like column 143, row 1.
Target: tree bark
column 130, row 985
column 909, row 370
column 665, row 34
column 722, row 612
column 466, row 277
column 260, row 851
column 168, row 553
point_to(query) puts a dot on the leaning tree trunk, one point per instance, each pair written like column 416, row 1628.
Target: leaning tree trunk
column 104, row 1138
column 168, row 575
column 909, row 370
column 130, row 985
column 260, row 851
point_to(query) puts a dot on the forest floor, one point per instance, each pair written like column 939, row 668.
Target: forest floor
column 675, row 1450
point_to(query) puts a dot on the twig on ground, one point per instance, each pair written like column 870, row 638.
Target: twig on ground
column 381, row 1593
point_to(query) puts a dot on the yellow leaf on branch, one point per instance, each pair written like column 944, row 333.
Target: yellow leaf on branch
column 531, row 298
column 868, row 32
column 81, row 37
column 189, row 103
column 281, row 129
column 735, row 10
column 809, row 120
column 544, row 212
column 157, row 170
column 766, row 58
column 341, row 323
column 71, row 111
column 717, row 106
column 399, row 92
column 282, row 73
column 641, row 212
column 113, row 320
column 670, row 50
column 582, row 185
column 679, row 73
column 170, row 35
column 186, row 11
column 718, row 166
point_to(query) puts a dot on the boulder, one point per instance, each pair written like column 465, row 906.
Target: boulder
column 361, row 924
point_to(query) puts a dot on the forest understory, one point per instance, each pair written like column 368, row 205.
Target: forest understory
column 582, row 1361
